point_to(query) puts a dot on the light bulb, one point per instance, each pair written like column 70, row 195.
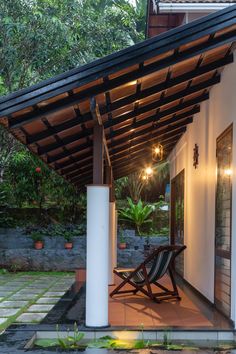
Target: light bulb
column 149, row 171
column 228, row 172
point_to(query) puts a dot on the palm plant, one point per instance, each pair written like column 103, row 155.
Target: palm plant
column 137, row 213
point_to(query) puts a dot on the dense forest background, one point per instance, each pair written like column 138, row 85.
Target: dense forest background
column 39, row 39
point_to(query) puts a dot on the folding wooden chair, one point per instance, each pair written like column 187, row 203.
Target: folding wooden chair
column 150, row 272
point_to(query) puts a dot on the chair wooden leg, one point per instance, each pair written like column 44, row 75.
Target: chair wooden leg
column 175, row 288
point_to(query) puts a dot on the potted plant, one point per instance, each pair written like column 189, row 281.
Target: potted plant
column 122, row 243
column 68, row 237
column 38, row 240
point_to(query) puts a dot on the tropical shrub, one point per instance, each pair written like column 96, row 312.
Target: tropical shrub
column 137, row 214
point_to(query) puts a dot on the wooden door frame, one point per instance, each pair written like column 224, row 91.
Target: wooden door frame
column 225, row 132
column 172, row 210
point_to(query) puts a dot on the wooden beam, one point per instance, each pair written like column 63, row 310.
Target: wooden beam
column 98, row 153
column 129, row 99
column 97, row 117
column 73, row 170
column 148, row 130
column 156, row 117
column 140, row 150
column 150, row 119
column 171, row 133
column 117, row 142
column 122, row 118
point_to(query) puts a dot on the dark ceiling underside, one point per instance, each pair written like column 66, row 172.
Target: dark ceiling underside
column 146, row 93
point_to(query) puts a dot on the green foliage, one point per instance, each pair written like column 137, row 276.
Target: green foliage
column 42, row 38
column 5, row 220
column 54, row 230
column 122, row 235
column 137, row 214
column 137, row 189
column 39, row 39
column 33, row 184
column 36, row 236
column 167, row 338
column 70, row 342
column 28, row 185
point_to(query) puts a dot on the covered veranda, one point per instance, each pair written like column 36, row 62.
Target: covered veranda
column 98, row 122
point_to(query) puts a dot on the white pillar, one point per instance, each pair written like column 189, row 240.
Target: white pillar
column 116, row 228
column 112, row 242
column 97, row 256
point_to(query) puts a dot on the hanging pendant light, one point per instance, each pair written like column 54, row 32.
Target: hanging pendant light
column 146, row 173
column 157, row 152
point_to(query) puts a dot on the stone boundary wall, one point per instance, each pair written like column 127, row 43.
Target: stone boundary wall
column 17, row 252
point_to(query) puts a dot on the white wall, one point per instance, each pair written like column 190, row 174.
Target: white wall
column 216, row 115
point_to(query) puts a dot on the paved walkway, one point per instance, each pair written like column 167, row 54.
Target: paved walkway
column 29, row 298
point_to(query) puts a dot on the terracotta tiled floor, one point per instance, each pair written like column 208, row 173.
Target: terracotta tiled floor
column 134, row 310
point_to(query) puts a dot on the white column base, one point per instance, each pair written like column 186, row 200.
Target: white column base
column 97, row 256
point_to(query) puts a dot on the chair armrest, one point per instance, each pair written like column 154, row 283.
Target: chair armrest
column 122, row 270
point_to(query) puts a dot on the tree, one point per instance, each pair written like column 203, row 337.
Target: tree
column 7, row 147
column 39, row 39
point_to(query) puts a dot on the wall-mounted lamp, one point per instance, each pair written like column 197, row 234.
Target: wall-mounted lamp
column 195, row 156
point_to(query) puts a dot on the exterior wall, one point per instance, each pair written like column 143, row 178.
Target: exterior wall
column 192, row 16
column 216, row 115
column 17, row 252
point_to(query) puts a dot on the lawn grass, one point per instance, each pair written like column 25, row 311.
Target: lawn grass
column 41, row 273
column 45, row 273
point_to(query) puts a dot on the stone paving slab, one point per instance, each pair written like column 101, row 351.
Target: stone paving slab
column 40, row 308
column 9, row 312
column 31, row 291
column 2, row 320
column 31, row 317
column 1, row 298
column 18, row 296
column 48, row 300
column 53, row 293
column 8, row 288
column 16, row 284
column 38, row 286
column 5, row 293
column 13, row 304
column 60, row 288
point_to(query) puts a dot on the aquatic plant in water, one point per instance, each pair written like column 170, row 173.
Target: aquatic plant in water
column 70, row 342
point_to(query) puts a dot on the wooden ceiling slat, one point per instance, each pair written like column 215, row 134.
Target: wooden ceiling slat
column 134, row 114
column 132, row 98
column 172, row 133
column 156, row 117
column 80, row 147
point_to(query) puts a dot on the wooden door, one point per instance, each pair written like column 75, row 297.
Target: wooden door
column 223, row 222
column 177, row 218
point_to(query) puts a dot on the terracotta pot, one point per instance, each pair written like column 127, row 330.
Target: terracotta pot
column 38, row 245
column 122, row 245
column 68, row 245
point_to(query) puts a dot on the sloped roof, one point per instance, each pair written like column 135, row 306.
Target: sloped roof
column 146, row 93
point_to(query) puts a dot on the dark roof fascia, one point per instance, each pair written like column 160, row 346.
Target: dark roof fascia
column 122, row 59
